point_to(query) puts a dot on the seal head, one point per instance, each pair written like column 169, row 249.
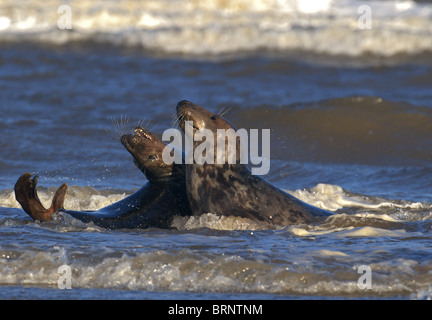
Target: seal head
column 146, row 150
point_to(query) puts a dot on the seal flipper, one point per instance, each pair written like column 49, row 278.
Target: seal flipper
column 59, row 198
column 26, row 195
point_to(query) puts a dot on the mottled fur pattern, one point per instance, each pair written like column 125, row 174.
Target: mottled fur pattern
column 231, row 189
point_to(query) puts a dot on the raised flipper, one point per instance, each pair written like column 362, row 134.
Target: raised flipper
column 26, row 195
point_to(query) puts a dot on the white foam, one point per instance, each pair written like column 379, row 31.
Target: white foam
column 330, row 253
column 377, row 232
column 325, row 196
column 334, row 197
column 7, row 199
column 78, row 198
column 82, row 200
column 213, row 221
column 423, row 294
column 4, row 23
column 301, row 232
column 197, row 271
column 348, row 232
column 220, row 27
column 312, row 6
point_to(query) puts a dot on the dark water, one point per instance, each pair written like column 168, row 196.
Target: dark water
column 351, row 134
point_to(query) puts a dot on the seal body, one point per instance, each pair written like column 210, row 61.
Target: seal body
column 231, row 189
column 154, row 205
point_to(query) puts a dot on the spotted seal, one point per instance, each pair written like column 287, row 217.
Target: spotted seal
column 231, row 189
column 154, row 205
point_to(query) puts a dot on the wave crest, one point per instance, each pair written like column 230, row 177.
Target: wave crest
column 222, row 27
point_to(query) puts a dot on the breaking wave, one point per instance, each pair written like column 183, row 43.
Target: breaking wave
column 351, row 210
column 223, row 27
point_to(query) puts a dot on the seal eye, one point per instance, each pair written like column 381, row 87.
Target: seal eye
column 213, row 118
column 151, row 157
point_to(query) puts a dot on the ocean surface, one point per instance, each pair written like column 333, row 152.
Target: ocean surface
column 350, row 113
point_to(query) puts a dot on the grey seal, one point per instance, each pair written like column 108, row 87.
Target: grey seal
column 231, row 189
column 154, row 205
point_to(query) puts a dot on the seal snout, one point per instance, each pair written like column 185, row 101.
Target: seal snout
column 184, row 109
column 184, row 104
column 124, row 139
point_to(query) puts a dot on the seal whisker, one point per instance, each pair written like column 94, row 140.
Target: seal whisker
column 173, row 118
column 128, row 126
column 148, row 124
column 176, row 119
column 125, row 121
column 224, row 111
column 143, row 123
column 121, row 126
column 152, row 127
column 140, row 123
column 115, row 133
column 111, row 133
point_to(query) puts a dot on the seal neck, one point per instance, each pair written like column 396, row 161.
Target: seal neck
column 176, row 174
column 162, row 180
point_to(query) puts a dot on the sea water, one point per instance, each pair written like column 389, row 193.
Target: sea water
column 350, row 114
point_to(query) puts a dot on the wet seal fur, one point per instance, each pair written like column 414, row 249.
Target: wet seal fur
column 231, row 189
column 154, row 205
